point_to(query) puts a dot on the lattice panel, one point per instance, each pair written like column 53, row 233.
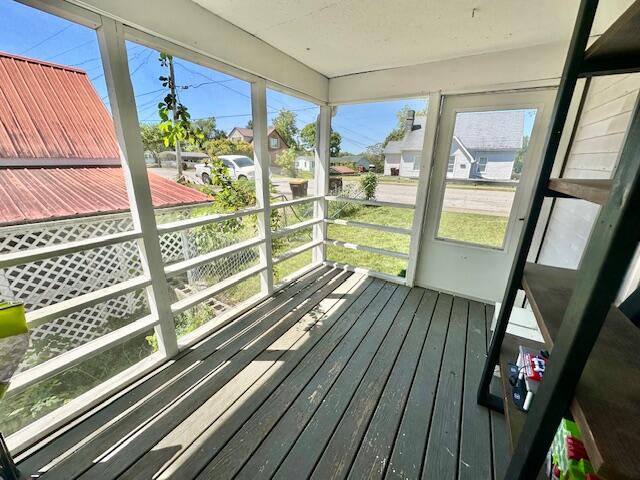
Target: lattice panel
column 50, row 281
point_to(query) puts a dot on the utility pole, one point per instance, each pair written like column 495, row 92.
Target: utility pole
column 172, row 87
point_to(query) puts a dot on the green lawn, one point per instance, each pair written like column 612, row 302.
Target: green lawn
column 473, row 228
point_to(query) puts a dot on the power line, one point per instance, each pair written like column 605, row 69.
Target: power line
column 47, row 39
column 69, row 50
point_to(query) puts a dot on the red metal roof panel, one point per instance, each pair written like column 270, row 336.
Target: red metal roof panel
column 37, row 194
column 51, row 115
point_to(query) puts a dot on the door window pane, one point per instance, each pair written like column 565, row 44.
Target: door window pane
column 485, row 162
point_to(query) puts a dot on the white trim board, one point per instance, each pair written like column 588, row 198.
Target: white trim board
column 539, row 66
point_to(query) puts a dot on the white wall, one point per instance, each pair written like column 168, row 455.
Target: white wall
column 407, row 163
column 593, row 154
column 461, row 165
column 391, row 160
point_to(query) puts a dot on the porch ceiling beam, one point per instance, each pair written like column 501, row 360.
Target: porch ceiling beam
column 203, row 32
column 510, row 69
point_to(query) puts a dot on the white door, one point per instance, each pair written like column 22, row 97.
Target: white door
column 486, row 157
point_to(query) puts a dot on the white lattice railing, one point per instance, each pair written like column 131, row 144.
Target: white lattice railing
column 68, row 260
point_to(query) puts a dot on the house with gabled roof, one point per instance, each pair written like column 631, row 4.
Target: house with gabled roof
column 484, row 146
column 277, row 144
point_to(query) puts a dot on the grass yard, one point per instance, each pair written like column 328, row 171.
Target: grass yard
column 473, row 228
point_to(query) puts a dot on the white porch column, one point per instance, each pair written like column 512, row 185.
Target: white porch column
column 262, row 161
column 322, row 159
column 428, row 149
column 125, row 118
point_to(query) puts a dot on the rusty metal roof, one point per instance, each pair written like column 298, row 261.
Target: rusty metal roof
column 51, row 115
column 38, row 194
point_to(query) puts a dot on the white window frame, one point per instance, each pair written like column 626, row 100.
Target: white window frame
column 274, row 143
column 417, row 160
column 451, row 165
column 482, row 168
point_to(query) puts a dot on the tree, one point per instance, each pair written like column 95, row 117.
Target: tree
column 374, row 156
column 285, row 125
column 250, row 124
column 308, row 139
column 226, row 146
column 518, row 162
column 152, row 138
column 287, row 161
column 175, row 120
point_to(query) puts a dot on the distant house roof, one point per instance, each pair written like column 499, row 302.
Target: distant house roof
column 501, row 130
column 39, row 194
column 51, row 115
column 341, row 170
column 247, row 134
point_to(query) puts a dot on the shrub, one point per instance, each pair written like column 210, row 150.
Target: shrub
column 369, row 184
column 287, row 161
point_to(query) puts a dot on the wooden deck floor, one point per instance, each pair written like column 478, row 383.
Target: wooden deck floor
column 339, row 375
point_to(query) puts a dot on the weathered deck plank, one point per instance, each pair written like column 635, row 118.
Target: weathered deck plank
column 301, row 459
column 475, row 457
column 271, row 366
column 408, row 451
column 70, row 439
column 374, row 454
column 338, row 375
column 441, row 459
column 338, row 455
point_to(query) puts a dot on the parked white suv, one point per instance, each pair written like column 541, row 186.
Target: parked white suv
column 240, row 168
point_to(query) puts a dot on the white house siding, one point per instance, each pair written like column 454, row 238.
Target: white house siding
column 391, row 160
column 593, row 154
column 499, row 164
column 407, row 162
column 461, row 165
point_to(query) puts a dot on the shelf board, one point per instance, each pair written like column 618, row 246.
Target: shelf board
column 593, row 190
column 514, row 417
column 617, row 50
column 606, row 401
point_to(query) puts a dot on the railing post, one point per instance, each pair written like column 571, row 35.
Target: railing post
column 424, row 177
column 125, row 118
column 322, row 161
column 262, row 161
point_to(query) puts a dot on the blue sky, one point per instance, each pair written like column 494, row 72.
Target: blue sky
column 206, row 93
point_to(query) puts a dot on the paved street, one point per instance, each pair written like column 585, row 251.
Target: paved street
column 463, row 200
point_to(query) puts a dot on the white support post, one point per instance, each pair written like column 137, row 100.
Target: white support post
column 262, row 161
column 424, row 177
column 125, row 118
column 322, row 159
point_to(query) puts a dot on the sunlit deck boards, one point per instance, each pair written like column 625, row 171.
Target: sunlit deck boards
column 337, row 376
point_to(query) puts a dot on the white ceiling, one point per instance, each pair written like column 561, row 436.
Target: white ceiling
column 340, row 37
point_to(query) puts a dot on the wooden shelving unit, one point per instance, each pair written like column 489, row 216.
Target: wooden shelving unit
column 606, row 402
column 617, row 49
column 594, row 367
column 592, row 190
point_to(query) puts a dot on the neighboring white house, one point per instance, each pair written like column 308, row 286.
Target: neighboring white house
column 484, row 145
